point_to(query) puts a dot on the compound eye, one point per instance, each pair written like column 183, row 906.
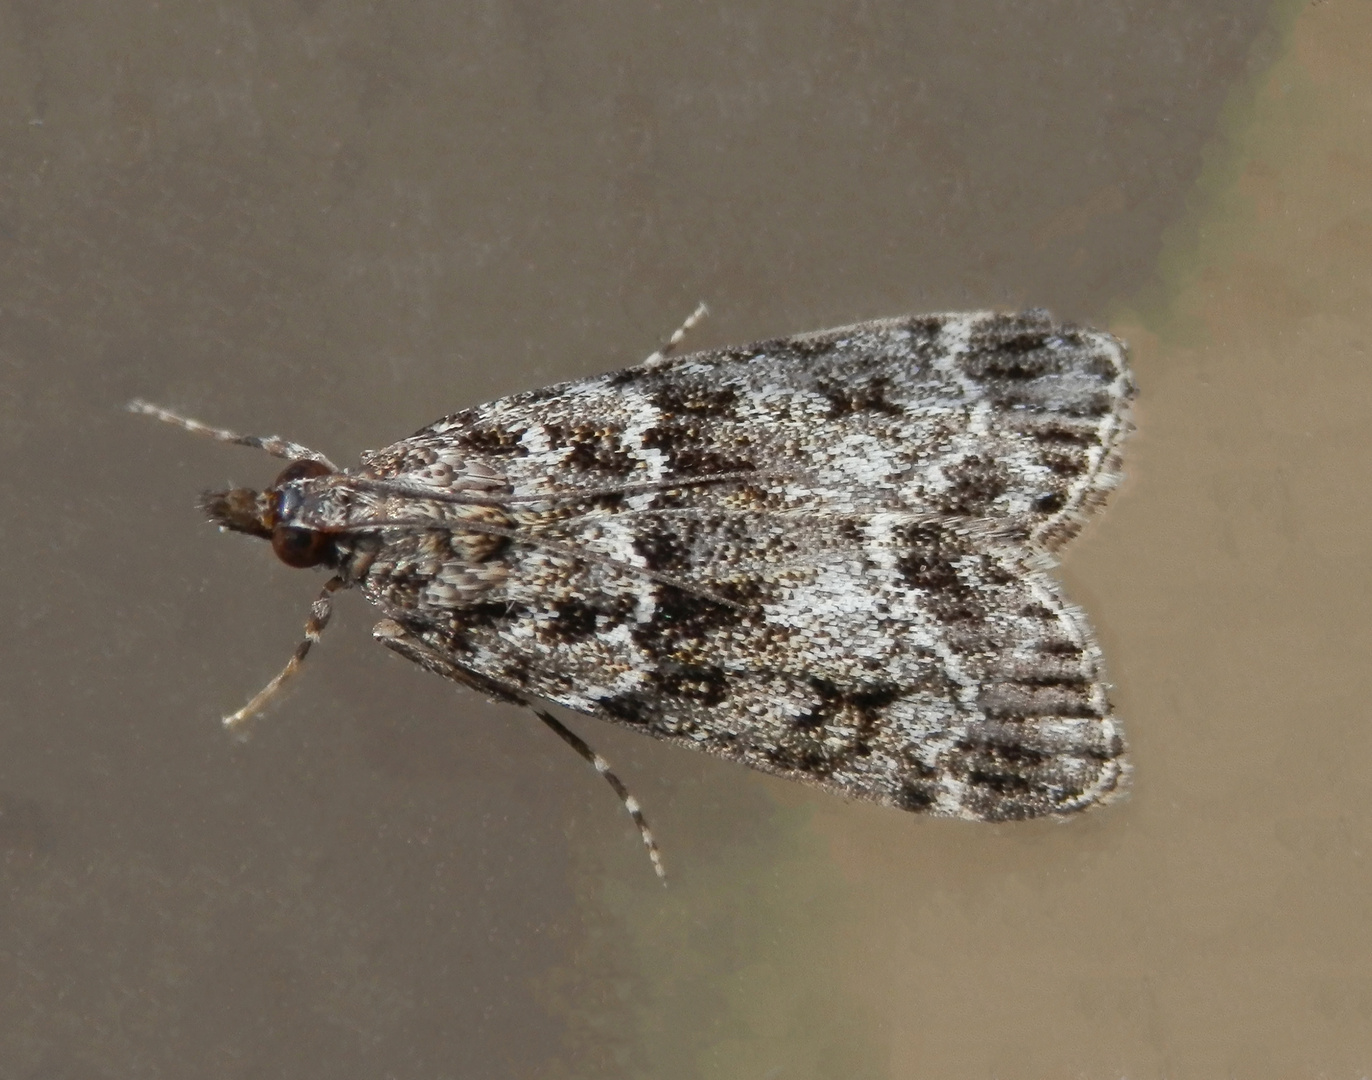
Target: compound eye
column 301, row 547
column 304, row 469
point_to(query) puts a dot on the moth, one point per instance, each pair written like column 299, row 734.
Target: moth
column 828, row 557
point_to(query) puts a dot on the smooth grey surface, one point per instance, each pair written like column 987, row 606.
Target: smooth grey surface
column 337, row 222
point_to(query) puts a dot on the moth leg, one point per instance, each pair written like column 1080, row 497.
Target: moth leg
column 320, row 611
column 577, row 743
column 273, row 444
column 692, row 321
column 398, row 639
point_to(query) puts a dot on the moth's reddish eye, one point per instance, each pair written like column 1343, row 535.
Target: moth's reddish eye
column 301, row 547
column 303, row 469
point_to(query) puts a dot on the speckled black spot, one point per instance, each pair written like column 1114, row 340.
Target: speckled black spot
column 471, row 622
column 925, row 563
column 661, row 550
column 1058, row 678
column 1057, row 434
column 1012, row 350
column 926, row 326
column 704, row 684
column 1004, row 751
column 811, row 759
column 669, row 435
column 867, row 701
column 975, row 483
column 850, row 532
column 1049, row 503
column 491, row 441
column 853, row 397
column 1067, row 465
column 928, row 564
column 695, row 461
column 682, row 617
column 1091, row 407
column 917, row 795
column 993, row 572
column 592, row 448
column 629, row 708
column 488, row 616
column 691, row 455
column 1102, row 367
column 676, row 399
column 611, row 500
column 629, row 376
column 989, row 366
column 1002, row 783
column 574, row 621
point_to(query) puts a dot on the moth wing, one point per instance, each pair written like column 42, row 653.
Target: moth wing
column 871, row 611
column 1013, row 418
column 893, row 659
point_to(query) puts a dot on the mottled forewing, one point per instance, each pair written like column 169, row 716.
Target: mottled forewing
column 871, row 612
column 1005, row 417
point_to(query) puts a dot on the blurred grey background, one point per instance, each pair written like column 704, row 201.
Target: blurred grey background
column 337, row 221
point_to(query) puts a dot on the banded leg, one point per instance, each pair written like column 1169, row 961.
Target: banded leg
column 320, row 611
column 398, row 639
column 577, row 743
column 692, row 321
column 272, row 444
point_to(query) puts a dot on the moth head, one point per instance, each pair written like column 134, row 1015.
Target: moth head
column 268, row 514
